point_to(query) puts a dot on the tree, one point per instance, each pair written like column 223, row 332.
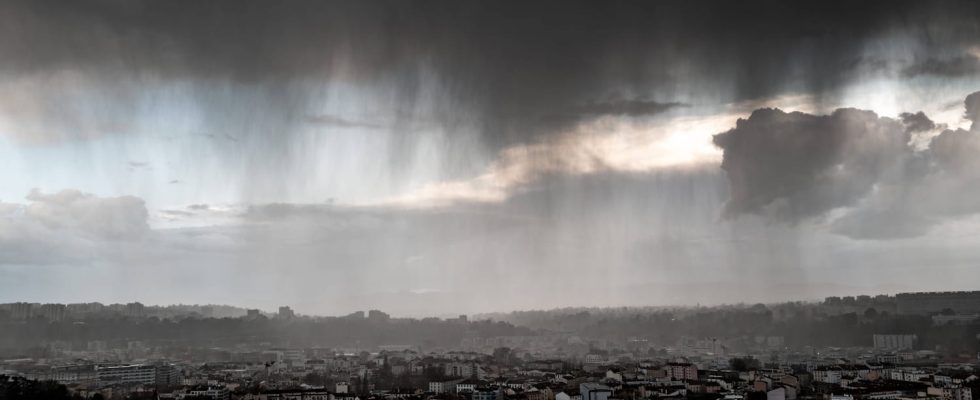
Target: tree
column 743, row 364
column 22, row 388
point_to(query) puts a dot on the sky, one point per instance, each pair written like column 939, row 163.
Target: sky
column 437, row 157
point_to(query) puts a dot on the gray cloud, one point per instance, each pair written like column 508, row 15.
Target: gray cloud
column 883, row 221
column 972, row 104
column 612, row 107
column 108, row 218
column 951, row 67
column 632, row 108
column 917, row 122
column 794, row 166
column 67, row 227
column 252, row 67
column 944, row 190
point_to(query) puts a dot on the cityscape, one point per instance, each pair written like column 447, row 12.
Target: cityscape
column 906, row 346
column 489, row 200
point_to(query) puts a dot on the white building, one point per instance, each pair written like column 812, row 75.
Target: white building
column 136, row 373
column 213, row 392
column 776, row 394
column 594, row 391
column 468, row 385
column 894, row 342
column 446, row 386
column 950, row 393
column 827, row 375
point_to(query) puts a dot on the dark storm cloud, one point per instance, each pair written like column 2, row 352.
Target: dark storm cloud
column 972, row 105
column 613, row 107
column 952, row 67
column 633, row 108
column 943, row 190
column 917, row 122
column 507, row 65
column 796, row 166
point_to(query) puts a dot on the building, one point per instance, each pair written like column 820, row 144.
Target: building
column 378, row 316
column 463, row 370
column 486, row 393
column 167, row 375
column 199, row 392
column 934, row 302
column 298, row 394
column 614, row 375
column 546, row 365
column 592, row 362
column 469, row 385
column 828, row 374
column 213, row 392
column 443, row 386
column 21, row 310
column 65, row 374
column 53, row 312
column 950, row 393
column 595, row 391
column 894, row 341
column 286, row 313
column 776, row 394
column 682, row 371
column 135, row 310
column 127, row 374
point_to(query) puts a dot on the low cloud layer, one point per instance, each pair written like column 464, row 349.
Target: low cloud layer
column 67, row 226
column 950, row 67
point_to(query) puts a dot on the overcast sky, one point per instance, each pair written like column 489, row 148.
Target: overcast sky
column 438, row 157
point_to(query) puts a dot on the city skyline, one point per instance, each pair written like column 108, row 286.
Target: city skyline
column 922, row 303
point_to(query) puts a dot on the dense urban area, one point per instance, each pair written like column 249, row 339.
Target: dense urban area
column 923, row 346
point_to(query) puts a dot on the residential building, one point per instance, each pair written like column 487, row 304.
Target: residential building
column 127, row 374
column 595, row 391
column 682, row 371
column 894, row 341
